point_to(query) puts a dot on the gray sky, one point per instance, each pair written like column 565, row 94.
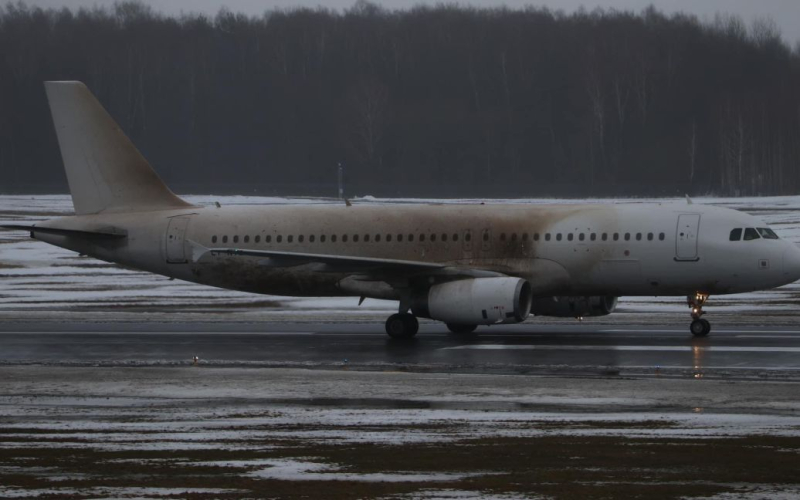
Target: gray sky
column 785, row 13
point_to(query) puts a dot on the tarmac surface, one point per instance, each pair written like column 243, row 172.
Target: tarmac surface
column 306, row 410
column 528, row 348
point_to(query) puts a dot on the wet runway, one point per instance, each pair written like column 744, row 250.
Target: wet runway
column 529, row 348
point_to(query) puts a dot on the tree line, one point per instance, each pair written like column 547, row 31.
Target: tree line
column 430, row 101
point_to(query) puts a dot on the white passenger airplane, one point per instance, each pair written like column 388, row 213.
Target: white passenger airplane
column 465, row 265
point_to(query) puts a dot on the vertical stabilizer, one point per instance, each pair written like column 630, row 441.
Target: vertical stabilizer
column 105, row 171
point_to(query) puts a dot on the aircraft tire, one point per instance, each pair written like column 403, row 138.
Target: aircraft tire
column 461, row 328
column 700, row 327
column 402, row 326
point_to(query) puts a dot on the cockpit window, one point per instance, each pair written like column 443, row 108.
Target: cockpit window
column 736, row 234
column 750, row 234
column 767, row 233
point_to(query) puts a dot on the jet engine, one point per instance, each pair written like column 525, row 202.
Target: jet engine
column 574, row 307
column 476, row 301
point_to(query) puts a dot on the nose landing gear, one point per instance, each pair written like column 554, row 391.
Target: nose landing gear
column 699, row 327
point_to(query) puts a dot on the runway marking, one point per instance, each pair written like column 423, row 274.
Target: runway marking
column 647, row 330
column 158, row 333
column 674, row 348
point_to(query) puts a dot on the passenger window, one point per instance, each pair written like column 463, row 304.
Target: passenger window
column 388, row 238
column 649, row 236
column 433, row 237
column 333, row 238
column 604, row 237
column 750, row 234
column 366, row 238
column 322, row 238
column 455, row 236
column 627, row 236
column 593, row 237
column 524, row 236
column 569, row 237
column 290, row 238
column 767, row 233
column 444, row 237
column 468, row 236
column 344, row 238
column 502, row 236
column 638, row 236
column 279, row 238
column 399, row 237
column 213, row 239
column 247, row 238
column 300, row 239
column 547, row 237
column 421, row 238
column 377, row 238
column 486, row 236
column 355, row 238
column 311, row 238
column 736, row 234
column 224, row 239
column 616, row 236
column 535, row 236
column 258, row 238
column 661, row 236
column 513, row 236
column 581, row 237
column 410, row 238
column 268, row 238
column 558, row 236
column 236, row 239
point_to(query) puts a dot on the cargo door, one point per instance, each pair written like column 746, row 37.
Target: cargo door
column 176, row 238
column 686, row 237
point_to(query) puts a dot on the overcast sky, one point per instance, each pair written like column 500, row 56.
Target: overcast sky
column 785, row 13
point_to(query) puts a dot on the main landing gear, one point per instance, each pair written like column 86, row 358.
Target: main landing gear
column 402, row 326
column 699, row 327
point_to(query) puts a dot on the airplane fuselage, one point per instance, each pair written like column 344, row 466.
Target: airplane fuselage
column 580, row 250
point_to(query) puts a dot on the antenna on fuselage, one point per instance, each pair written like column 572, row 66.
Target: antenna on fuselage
column 689, row 200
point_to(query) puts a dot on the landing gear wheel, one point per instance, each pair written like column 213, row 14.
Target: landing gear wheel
column 461, row 328
column 700, row 327
column 402, row 326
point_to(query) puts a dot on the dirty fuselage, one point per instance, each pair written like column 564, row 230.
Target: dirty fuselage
column 577, row 250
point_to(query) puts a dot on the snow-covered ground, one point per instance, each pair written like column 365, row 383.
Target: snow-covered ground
column 58, row 284
column 311, row 426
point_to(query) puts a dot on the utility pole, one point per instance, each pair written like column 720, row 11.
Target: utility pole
column 341, row 185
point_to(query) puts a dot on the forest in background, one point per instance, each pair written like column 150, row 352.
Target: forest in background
column 433, row 101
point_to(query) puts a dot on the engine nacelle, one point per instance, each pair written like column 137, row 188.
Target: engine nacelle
column 574, row 307
column 477, row 301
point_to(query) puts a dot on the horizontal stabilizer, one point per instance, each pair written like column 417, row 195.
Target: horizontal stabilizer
column 109, row 232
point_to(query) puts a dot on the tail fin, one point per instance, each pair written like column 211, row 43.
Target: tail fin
column 105, row 171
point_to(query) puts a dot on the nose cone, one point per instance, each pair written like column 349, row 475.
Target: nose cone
column 791, row 263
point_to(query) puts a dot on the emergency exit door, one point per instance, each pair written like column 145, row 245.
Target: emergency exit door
column 686, row 237
column 176, row 237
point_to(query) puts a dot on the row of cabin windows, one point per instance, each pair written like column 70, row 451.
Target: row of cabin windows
column 583, row 236
column 344, row 238
column 751, row 233
column 444, row 237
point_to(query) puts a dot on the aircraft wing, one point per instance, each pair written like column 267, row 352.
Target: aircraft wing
column 354, row 264
column 342, row 262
